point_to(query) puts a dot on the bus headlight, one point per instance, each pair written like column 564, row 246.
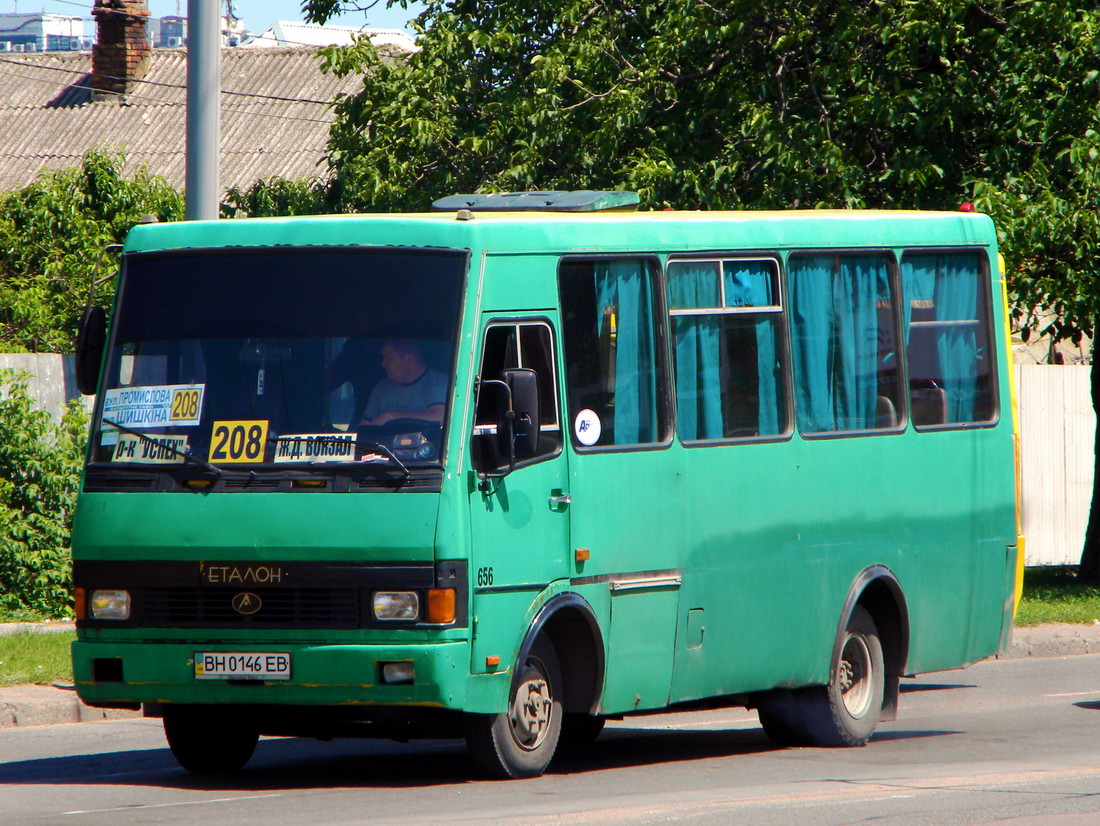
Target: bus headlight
column 396, row 605
column 110, row 605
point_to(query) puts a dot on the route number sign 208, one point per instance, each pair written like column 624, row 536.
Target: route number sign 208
column 238, row 441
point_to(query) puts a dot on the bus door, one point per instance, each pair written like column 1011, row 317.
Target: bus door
column 519, row 520
column 627, row 525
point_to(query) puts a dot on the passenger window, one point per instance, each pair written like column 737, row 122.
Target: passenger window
column 612, row 341
column 947, row 328
column 517, row 344
column 728, row 343
column 844, row 342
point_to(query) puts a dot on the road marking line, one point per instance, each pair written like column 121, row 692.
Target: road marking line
column 132, row 807
column 1074, row 694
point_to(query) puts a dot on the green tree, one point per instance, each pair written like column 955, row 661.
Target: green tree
column 52, row 234
column 804, row 103
column 39, row 474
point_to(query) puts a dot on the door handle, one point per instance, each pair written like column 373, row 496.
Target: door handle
column 557, row 500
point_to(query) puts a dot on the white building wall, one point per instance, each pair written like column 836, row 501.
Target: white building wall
column 1057, row 432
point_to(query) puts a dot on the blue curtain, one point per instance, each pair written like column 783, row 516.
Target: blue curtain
column 698, row 383
column 859, row 282
column 948, row 285
column 623, row 288
column 750, row 284
column 812, row 301
column 836, row 336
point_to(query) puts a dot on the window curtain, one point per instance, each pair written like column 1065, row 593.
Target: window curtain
column 698, row 384
column 835, row 320
column 860, row 284
column 812, row 300
column 950, row 284
column 624, row 287
column 749, row 284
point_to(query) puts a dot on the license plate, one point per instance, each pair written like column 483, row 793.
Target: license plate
column 236, row 665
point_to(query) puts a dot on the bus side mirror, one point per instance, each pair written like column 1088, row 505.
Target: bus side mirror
column 90, row 340
column 524, row 386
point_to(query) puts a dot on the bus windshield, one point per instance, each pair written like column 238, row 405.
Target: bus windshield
column 285, row 358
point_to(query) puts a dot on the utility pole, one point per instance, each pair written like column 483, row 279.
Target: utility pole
column 203, row 109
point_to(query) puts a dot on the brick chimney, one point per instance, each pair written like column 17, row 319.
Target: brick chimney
column 120, row 56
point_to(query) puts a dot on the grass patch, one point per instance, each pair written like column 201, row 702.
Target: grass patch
column 36, row 658
column 1053, row 594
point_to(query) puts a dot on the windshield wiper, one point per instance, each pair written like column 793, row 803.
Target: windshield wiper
column 387, row 453
column 187, row 455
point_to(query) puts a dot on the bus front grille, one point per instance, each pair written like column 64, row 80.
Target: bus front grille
column 278, row 608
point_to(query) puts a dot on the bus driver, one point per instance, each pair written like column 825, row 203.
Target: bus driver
column 411, row 389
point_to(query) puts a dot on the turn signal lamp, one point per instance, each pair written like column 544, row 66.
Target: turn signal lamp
column 80, row 603
column 441, row 605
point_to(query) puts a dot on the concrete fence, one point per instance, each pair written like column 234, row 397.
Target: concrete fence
column 52, row 382
column 1057, row 428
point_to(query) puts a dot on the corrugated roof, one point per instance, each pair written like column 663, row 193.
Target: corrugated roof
column 274, row 115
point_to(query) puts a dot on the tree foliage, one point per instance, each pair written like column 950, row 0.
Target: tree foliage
column 39, row 473
column 805, row 103
column 52, row 236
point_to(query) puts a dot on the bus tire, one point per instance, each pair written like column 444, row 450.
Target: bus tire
column 521, row 742
column 856, row 685
column 208, row 739
column 842, row 713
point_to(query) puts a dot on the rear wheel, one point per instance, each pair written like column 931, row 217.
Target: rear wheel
column 521, row 741
column 209, row 739
column 842, row 713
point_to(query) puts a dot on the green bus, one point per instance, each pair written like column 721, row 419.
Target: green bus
column 507, row 469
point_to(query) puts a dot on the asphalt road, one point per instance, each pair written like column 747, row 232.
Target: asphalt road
column 1011, row 741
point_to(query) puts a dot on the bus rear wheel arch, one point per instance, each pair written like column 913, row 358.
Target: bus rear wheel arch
column 845, row 711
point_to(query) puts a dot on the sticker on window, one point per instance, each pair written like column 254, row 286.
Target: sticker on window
column 153, row 450
column 314, row 447
column 587, row 427
column 167, row 405
column 238, row 441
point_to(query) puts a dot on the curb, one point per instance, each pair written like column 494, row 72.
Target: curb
column 1053, row 640
column 47, row 705
column 44, row 705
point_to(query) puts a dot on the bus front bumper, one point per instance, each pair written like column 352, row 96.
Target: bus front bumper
column 119, row 674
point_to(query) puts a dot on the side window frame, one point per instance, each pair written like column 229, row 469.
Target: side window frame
column 782, row 335
column 662, row 357
column 985, row 304
column 893, row 273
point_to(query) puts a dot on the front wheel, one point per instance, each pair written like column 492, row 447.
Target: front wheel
column 209, row 739
column 842, row 713
column 521, row 741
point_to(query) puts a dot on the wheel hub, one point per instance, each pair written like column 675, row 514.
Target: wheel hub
column 530, row 715
column 854, row 676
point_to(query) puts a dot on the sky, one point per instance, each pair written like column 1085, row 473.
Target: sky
column 257, row 14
